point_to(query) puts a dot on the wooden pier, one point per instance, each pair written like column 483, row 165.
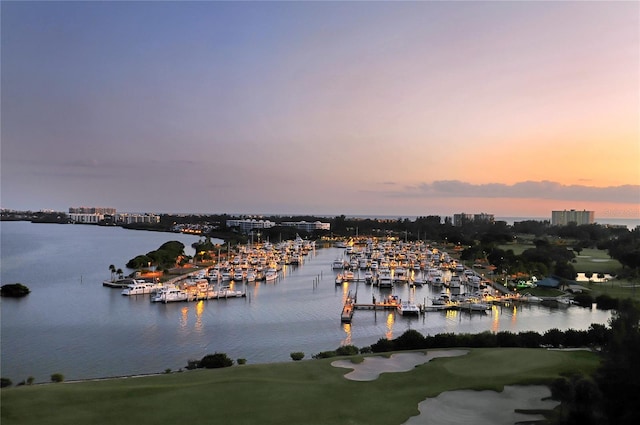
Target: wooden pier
column 347, row 309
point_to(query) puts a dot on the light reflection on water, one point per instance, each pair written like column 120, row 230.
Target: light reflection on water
column 85, row 330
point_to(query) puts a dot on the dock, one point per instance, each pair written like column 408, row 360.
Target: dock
column 347, row 309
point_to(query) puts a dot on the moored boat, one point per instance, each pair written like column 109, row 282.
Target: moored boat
column 406, row 308
column 169, row 294
column 119, row 283
column 140, row 288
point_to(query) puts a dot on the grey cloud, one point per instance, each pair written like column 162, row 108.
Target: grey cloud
column 529, row 189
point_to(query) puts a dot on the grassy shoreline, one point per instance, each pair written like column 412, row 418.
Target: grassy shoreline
column 306, row 392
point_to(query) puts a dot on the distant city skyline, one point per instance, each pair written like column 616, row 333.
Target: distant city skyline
column 403, row 109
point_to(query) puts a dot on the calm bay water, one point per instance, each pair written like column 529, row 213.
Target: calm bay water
column 73, row 325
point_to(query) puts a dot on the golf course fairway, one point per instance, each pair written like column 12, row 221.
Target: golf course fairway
column 304, row 392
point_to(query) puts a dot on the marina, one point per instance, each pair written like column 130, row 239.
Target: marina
column 72, row 324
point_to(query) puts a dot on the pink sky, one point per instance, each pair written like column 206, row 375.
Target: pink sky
column 372, row 108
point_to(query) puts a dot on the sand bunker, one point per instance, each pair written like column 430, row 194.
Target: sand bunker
column 483, row 407
column 371, row 367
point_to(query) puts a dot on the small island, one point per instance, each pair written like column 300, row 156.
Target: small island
column 14, row 290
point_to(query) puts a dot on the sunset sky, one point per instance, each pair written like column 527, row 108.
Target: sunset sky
column 369, row 108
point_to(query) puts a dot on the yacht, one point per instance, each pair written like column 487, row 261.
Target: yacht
column 140, row 287
column 400, row 275
column 406, row 308
column 368, row 277
column 338, row 264
column 169, row 294
column 238, row 275
column 384, row 278
column 271, row 275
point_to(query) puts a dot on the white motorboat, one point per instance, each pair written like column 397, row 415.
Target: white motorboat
column 251, row 276
column 140, row 288
column 271, row 275
column 418, row 280
column 400, row 275
column 169, row 294
column 455, row 284
column 226, row 292
column 530, row 298
column 384, row 278
column 368, row 277
column 406, row 308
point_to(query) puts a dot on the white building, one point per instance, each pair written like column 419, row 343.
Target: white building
column 128, row 218
column 562, row 218
column 247, row 225
column 306, row 226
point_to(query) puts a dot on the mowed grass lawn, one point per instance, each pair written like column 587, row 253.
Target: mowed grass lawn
column 306, row 392
column 589, row 260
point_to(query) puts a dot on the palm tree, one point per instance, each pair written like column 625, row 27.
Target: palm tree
column 120, row 273
column 112, row 269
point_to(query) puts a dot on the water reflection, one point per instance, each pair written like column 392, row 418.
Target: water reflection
column 184, row 313
column 346, row 327
column 495, row 324
column 199, row 310
column 390, row 321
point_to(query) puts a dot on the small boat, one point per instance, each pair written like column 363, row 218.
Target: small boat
column 443, row 299
column 564, row 301
column 474, row 306
column 406, row 308
column 530, row 298
column 339, row 279
column 455, row 284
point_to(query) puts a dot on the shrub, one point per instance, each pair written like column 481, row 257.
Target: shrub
column 216, row 360
column 324, row 355
column 347, row 350
column 167, row 370
column 30, row 380
column 193, row 364
column 366, row 350
column 297, row 355
column 606, row 302
column 57, row 377
column 410, row 340
column 382, row 345
column 583, row 300
column 241, row 361
column 5, row 382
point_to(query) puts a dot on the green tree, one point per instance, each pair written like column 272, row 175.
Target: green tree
column 215, row 361
column 297, row 355
column 14, row 290
column 57, row 377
